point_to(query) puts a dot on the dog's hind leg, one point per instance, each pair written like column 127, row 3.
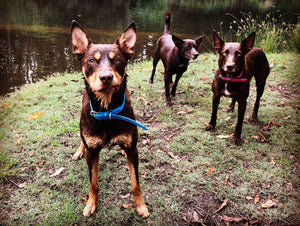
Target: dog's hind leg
column 259, row 92
column 92, row 160
column 140, row 206
column 178, row 76
column 155, row 62
column 80, row 152
column 231, row 106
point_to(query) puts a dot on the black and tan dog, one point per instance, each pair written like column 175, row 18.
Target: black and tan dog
column 107, row 108
column 175, row 54
column 237, row 64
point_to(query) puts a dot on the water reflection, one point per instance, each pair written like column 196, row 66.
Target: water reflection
column 35, row 39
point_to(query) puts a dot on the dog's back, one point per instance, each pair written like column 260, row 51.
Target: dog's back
column 257, row 64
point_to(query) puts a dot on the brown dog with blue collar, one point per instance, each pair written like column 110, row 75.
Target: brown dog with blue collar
column 237, row 64
column 107, row 117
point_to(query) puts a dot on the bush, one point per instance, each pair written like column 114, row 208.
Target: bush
column 273, row 34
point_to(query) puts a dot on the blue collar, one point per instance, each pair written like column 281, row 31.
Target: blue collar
column 112, row 114
column 177, row 59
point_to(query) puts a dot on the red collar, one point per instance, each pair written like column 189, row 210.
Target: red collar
column 234, row 79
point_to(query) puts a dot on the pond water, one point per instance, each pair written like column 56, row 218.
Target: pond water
column 35, row 34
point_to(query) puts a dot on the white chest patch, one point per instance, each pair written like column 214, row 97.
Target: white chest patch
column 226, row 92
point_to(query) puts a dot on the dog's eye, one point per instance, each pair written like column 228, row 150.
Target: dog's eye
column 91, row 61
column 225, row 53
column 238, row 54
column 117, row 60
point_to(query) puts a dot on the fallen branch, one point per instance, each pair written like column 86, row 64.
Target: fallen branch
column 10, row 181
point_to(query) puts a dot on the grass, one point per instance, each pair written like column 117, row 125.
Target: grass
column 176, row 153
column 273, row 33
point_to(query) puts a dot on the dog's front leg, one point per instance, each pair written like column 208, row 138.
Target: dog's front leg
column 231, row 106
column 167, row 88
column 92, row 160
column 212, row 123
column 238, row 128
column 140, row 206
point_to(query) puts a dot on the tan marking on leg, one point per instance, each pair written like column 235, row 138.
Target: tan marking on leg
column 93, row 141
column 79, row 153
column 139, row 203
column 122, row 140
column 91, row 205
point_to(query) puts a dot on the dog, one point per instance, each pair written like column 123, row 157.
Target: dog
column 237, row 63
column 107, row 116
column 175, row 54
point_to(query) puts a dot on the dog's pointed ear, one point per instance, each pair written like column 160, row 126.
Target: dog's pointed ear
column 248, row 43
column 199, row 40
column 178, row 42
column 127, row 39
column 218, row 42
column 80, row 41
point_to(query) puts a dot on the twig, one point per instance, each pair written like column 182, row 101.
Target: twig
column 207, row 214
column 8, row 180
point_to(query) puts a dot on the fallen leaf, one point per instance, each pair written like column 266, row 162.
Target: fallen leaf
column 64, row 83
column 287, row 117
column 4, row 105
column 195, row 216
column 249, row 198
column 223, row 205
column 127, row 205
column 35, row 116
column 224, row 136
column 256, row 199
column 22, row 185
column 10, row 128
column 268, row 204
column 206, row 58
column 57, row 172
column 203, row 78
column 125, row 196
column 233, row 219
column 107, row 202
column 262, row 137
column 211, row 170
column 19, row 141
column 291, row 157
column 31, row 153
column 273, row 162
column 254, row 137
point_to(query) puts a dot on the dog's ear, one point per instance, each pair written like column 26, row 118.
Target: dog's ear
column 248, row 43
column 80, row 41
column 218, row 42
column 199, row 40
column 178, row 42
column 127, row 39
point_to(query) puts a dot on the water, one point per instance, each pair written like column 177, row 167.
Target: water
column 35, row 34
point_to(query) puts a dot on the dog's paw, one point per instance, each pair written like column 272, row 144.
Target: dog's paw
column 142, row 210
column 77, row 156
column 230, row 109
column 151, row 81
column 253, row 120
column 89, row 209
column 237, row 141
column 209, row 127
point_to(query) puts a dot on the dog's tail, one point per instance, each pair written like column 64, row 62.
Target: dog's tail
column 167, row 22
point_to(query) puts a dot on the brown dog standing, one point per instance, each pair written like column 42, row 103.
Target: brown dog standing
column 237, row 64
column 105, row 99
column 175, row 54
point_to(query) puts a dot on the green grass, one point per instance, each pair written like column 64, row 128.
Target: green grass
column 175, row 153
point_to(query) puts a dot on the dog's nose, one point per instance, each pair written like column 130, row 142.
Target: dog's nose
column 196, row 55
column 229, row 67
column 106, row 78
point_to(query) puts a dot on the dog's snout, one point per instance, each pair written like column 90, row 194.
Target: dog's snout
column 106, row 78
column 230, row 67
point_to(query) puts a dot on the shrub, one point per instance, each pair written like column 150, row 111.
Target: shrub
column 273, row 34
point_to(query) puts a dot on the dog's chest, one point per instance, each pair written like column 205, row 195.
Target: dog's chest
column 226, row 92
